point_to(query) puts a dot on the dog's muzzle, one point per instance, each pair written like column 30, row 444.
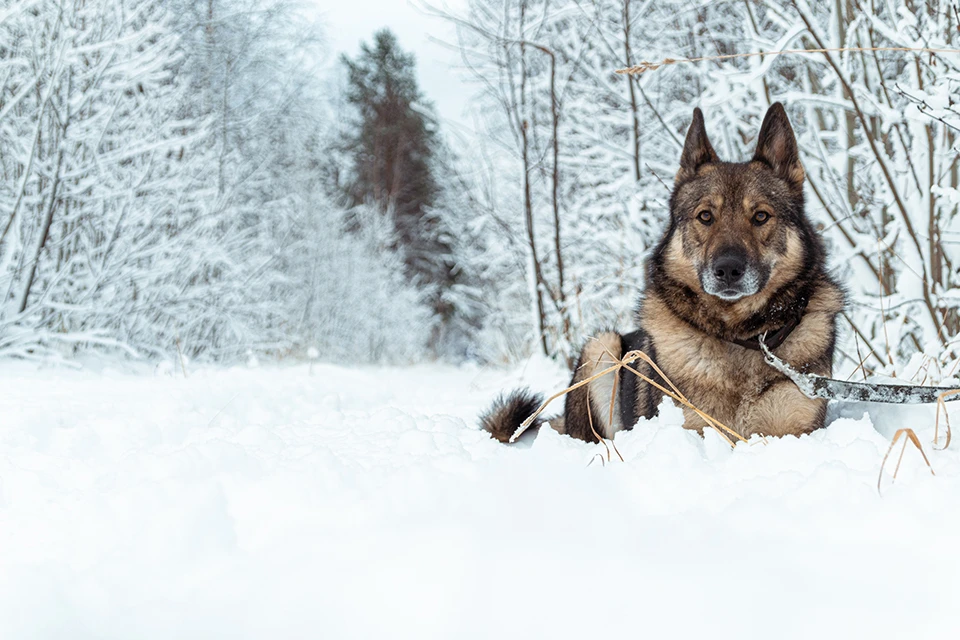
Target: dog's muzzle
column 730, row 276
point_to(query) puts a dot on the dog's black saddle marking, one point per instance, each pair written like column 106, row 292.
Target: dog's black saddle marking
column 773, row 340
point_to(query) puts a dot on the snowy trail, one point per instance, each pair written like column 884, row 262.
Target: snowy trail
column 363, row 503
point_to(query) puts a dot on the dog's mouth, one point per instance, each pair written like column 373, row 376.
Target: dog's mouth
column 730, row 294
column 747, row 284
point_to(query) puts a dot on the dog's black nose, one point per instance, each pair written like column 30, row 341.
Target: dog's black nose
column 729, row 268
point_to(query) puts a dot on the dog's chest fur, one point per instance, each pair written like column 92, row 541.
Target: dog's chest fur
column 724, row 379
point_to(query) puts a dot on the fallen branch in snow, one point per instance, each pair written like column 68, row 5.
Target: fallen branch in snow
column 653, row 66
column 912, row 437
column 814, row 386
column 623, row 363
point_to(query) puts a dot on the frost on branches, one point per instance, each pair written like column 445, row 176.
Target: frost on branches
column 160, row 187
column 184, row 172
column 583, row 159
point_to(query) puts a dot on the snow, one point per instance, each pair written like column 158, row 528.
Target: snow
column 323, row 501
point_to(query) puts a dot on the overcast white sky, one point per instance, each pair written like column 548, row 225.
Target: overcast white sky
column 348, row 22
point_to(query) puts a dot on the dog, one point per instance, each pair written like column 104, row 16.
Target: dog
column 738, row 262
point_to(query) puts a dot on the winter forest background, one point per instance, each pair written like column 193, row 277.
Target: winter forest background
column 190, row 177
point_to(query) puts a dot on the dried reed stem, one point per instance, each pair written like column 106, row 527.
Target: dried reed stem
column 941, row 402
column 653, row 66
column 911, row 437
column 628, row 358
column 595, row 456
column 595, row 434
column 526, row 423
column 613, row 399
column 678, row 396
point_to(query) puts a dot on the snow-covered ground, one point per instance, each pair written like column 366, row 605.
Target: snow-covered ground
column 362, row 502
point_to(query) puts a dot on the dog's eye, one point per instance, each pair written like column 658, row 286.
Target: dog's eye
column 705, row 217
column 760, row 217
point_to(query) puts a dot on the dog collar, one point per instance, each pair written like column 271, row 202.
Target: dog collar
column 774, row 340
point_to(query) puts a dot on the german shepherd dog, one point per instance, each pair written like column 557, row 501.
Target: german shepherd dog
column 738, row 262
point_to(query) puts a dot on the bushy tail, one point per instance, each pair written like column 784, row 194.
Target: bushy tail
column 503, row 418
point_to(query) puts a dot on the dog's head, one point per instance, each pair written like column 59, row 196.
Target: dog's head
column 738, row 229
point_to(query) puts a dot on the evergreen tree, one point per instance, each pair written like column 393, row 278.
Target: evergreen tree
column 392, row 146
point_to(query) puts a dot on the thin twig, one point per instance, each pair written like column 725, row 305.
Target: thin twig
column 183, row 366
column 883, row 316
column 653, row 66
column 860, row 366
column 655, row 175
column 924, row 108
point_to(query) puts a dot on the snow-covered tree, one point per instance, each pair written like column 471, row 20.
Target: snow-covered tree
column 877, row 129
column 160, row 187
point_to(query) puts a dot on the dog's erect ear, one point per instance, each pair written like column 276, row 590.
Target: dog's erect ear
column 777, row 146
column 697, row 150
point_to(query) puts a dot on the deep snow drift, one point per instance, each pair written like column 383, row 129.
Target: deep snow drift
column 363, row 502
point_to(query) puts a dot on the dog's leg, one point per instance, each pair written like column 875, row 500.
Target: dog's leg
column 598, row 354
column 639, row 399
column 779, row 411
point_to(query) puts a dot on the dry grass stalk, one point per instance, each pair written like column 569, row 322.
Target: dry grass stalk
column 183, row 365
column 678, row 396
column 600, row 438
column 613, row 399
column 712, row 422
column 924, row 369
column 953, row 369
column 624, row 362
column 643, row 67
column 529, row 421
column 619, row 455
column 860, row 366
column 603, row 462
column 595, row 434
column 941, row 403
column 909, row 435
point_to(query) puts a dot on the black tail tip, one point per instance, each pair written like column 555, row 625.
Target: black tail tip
column 506, row 414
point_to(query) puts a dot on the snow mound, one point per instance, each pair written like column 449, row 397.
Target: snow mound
column 330, row 502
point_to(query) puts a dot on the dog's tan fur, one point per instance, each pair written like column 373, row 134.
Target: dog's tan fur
column 733, row 384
